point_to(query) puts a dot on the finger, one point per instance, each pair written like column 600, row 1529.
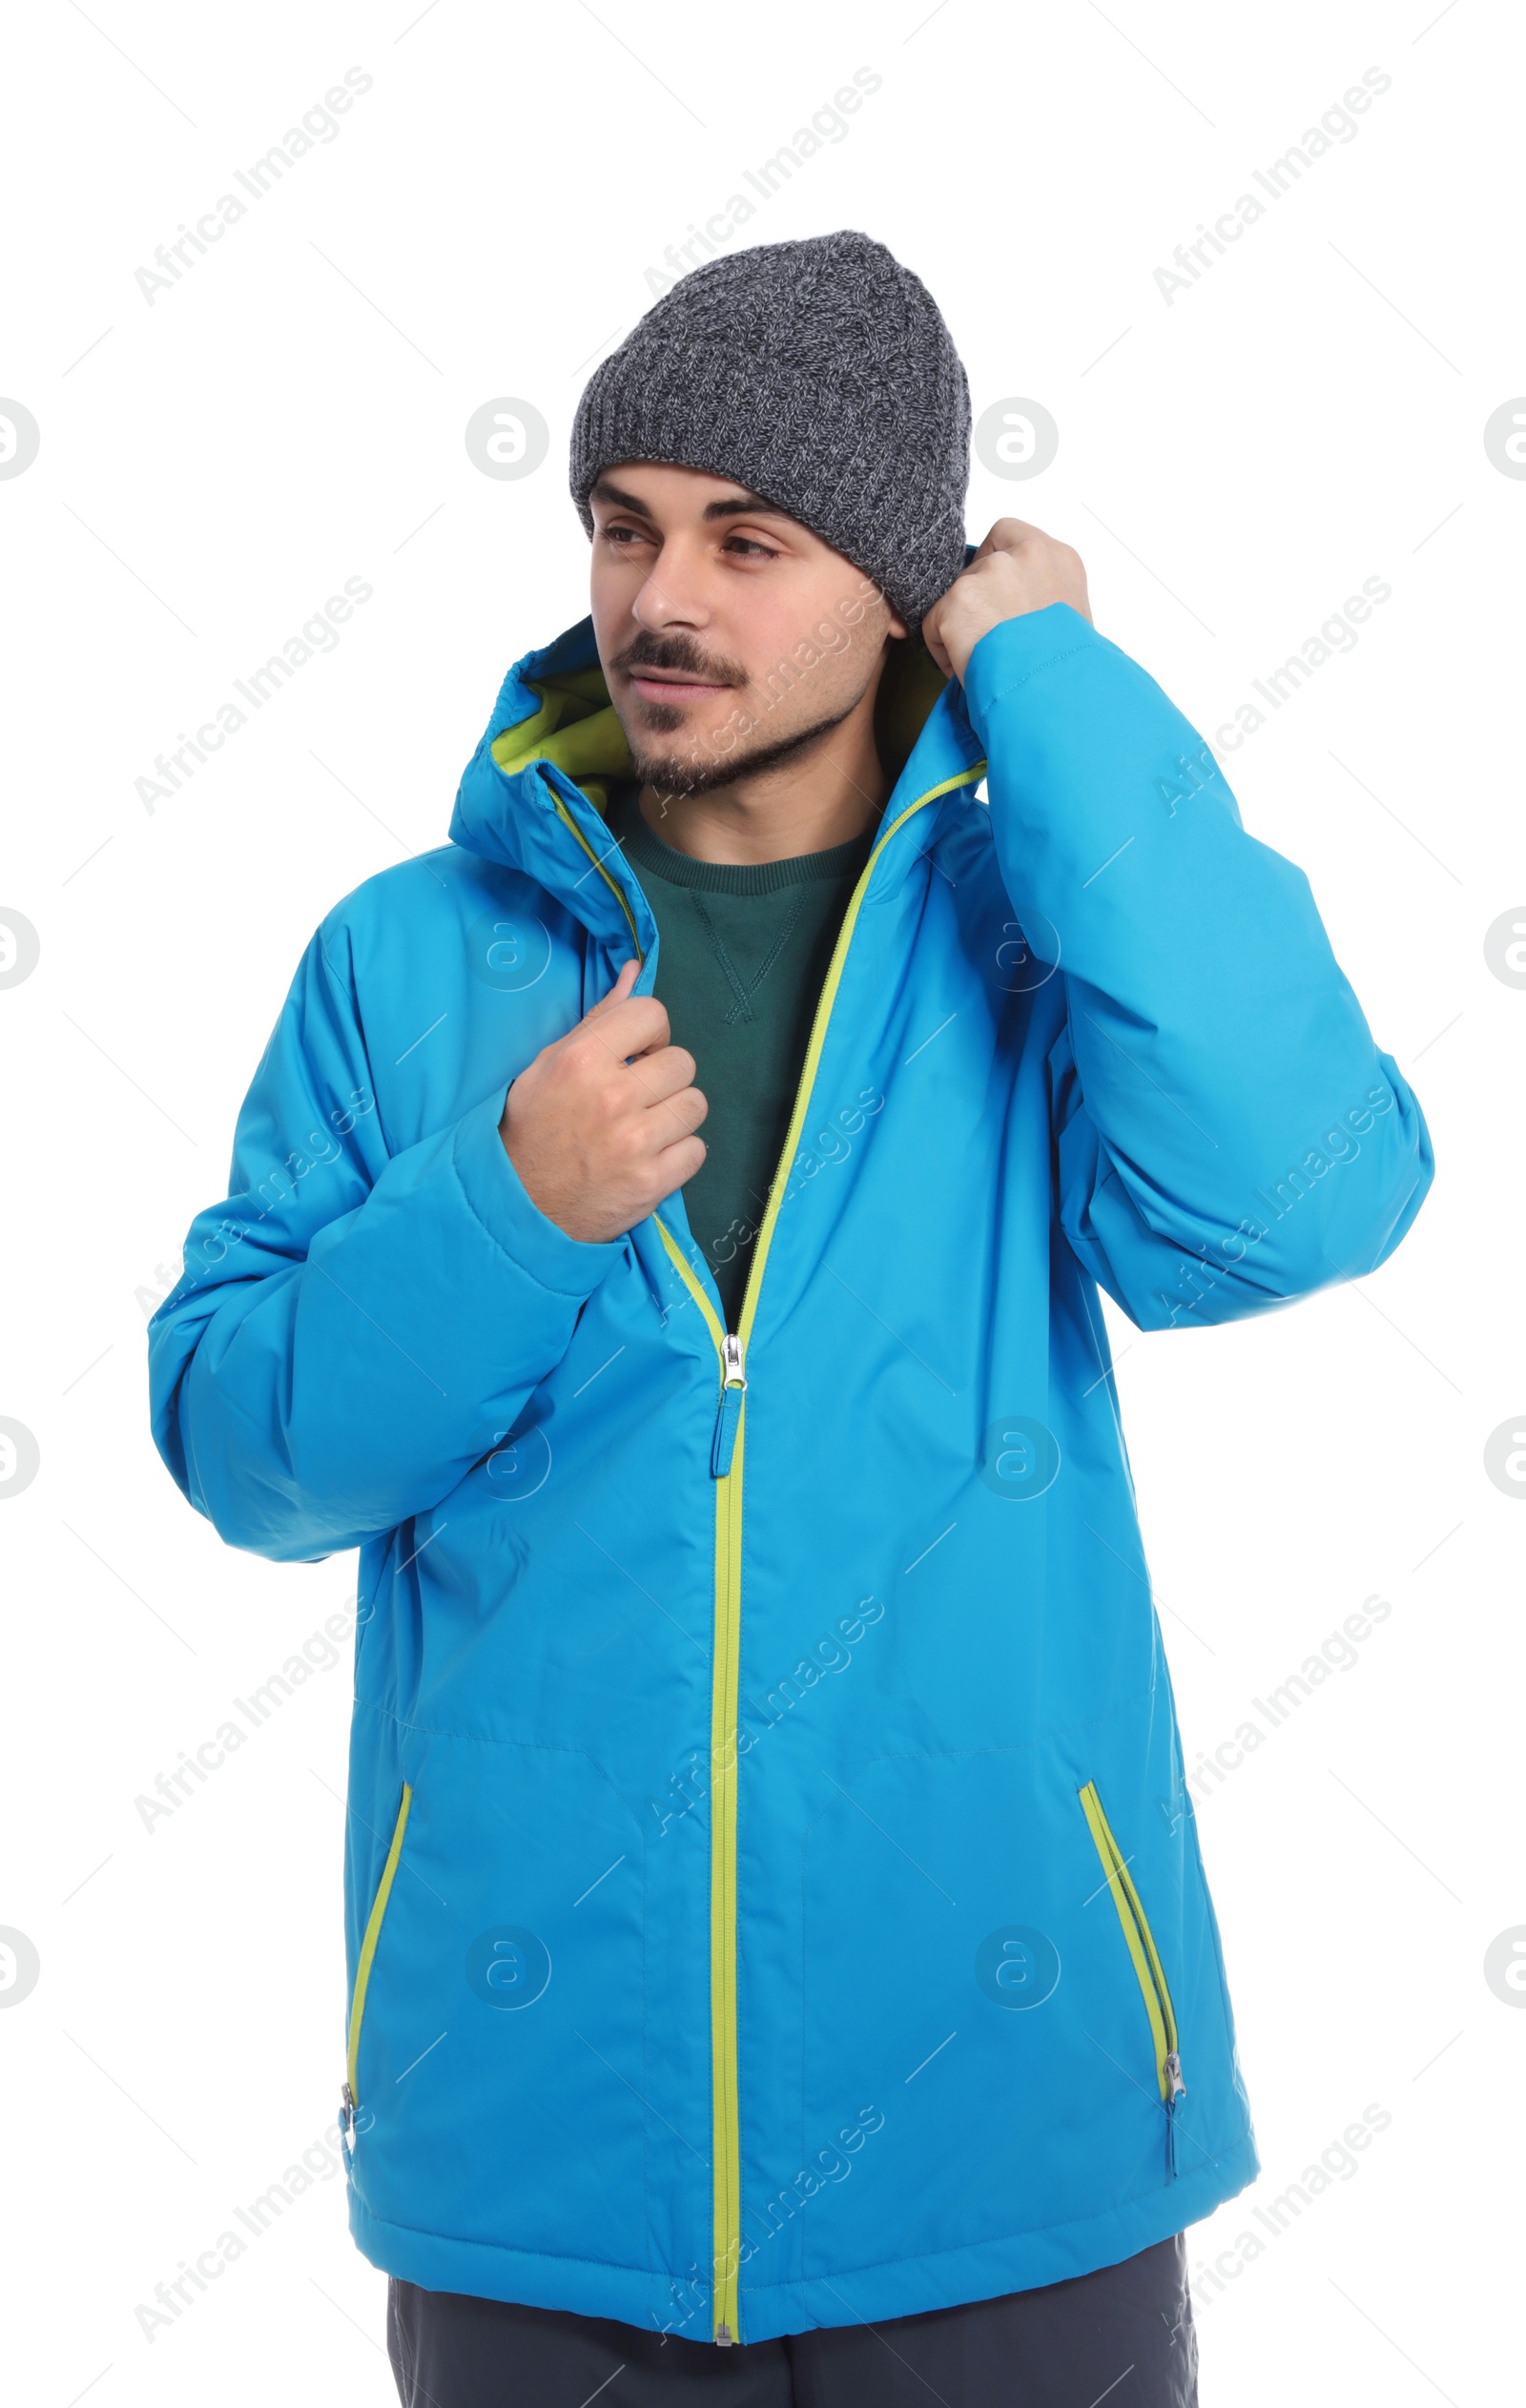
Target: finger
column 1006, row 536
column 675, row 1164
column 665, row 1071
column 630, row 971
column 668, row 1111
column 628, row 1025
column 676, row 1116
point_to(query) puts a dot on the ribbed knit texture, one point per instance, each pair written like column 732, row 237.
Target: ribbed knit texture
column 820, row 375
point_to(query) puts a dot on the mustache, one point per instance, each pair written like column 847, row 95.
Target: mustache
column 679, row 653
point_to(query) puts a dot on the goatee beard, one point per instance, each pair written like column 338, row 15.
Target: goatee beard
column 678, row 778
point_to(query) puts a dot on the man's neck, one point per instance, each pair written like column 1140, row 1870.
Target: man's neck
column 822, row 796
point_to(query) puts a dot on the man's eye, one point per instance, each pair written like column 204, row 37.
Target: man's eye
column 748, row 543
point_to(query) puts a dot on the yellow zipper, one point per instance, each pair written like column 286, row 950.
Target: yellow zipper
column 372, row 1933
column 726, row 1463
column 1148, row 1969
column 613, row 884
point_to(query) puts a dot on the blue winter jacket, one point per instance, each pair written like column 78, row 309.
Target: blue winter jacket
column 773, row 1896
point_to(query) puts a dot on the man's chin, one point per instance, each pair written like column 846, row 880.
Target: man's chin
column 695, row 767
column 680, row 775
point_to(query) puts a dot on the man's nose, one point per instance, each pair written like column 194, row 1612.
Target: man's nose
column 677, row 593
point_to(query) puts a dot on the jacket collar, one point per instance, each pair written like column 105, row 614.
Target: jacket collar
column 533, row 794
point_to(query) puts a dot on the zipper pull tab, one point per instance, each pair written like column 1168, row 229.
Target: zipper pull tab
column 723, row 2336
column 1178, row 2092
column 728, row 1410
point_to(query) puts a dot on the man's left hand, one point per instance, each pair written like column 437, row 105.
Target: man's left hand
column 1018, row 568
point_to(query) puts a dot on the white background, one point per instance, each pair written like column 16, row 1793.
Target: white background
column 1231, row 465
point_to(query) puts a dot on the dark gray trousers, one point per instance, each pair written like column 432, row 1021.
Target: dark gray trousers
column 1123, row 2334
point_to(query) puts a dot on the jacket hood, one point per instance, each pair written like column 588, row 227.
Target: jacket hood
column 553, row 715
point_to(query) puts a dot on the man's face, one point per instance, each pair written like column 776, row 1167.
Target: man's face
column 730, row 636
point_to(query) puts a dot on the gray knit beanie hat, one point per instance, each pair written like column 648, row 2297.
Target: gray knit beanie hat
column 820, row 375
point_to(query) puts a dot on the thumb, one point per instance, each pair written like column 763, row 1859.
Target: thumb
column 628, row 973
column 1006, row 536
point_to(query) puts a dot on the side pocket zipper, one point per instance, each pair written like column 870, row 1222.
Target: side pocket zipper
column 1148, row 1969
column 350, row 2093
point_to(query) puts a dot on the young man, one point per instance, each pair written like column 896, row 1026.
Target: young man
column 665, row 1234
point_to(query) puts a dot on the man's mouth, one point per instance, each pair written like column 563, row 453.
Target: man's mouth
column 672, row 685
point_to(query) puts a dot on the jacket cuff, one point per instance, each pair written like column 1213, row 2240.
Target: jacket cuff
column 1014, row 651
column 493, row 1190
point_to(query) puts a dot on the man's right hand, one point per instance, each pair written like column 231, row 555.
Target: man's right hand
column 600, row 1125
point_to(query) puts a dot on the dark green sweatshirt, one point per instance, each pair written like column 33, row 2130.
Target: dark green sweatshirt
column 742, row 952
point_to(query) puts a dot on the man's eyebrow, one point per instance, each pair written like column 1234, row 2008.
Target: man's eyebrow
column 739, row 506
column 747, row 505
column 618, row 499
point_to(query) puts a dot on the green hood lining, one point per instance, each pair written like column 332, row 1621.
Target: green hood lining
column 576, row 725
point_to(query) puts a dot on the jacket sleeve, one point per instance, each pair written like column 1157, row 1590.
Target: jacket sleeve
column 354, row 1326
column 1228, row 1136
